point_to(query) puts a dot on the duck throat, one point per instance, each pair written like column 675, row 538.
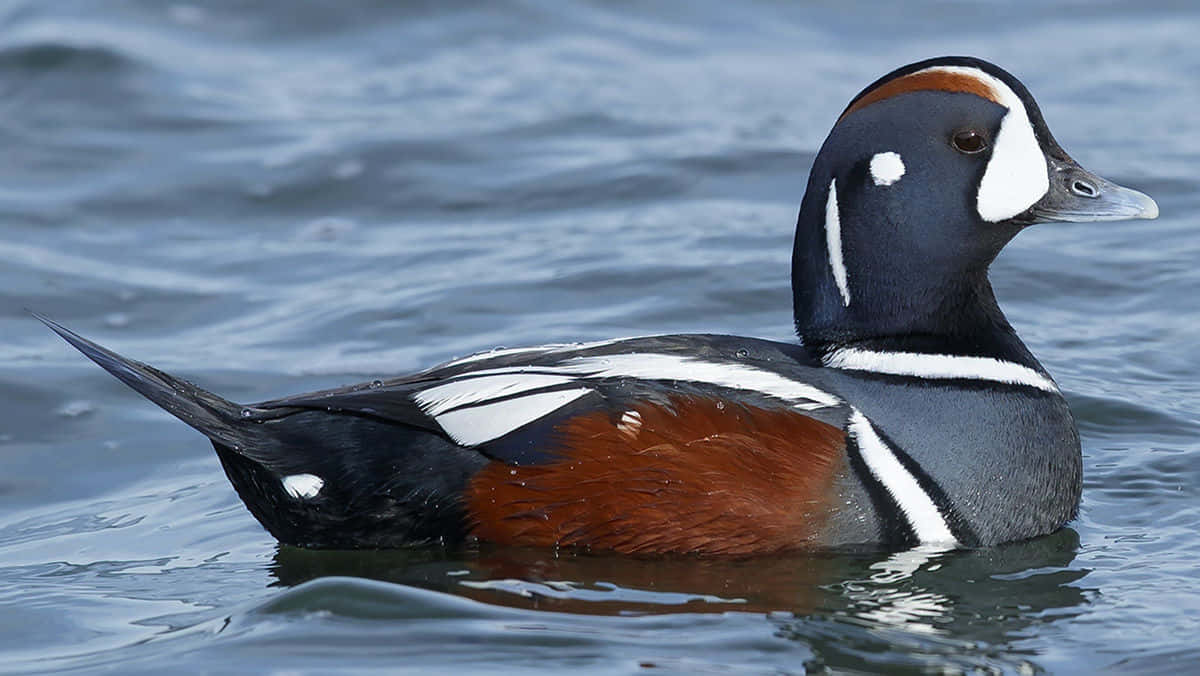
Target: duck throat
column 850, row 289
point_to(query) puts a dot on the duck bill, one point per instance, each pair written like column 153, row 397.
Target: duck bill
column 1078, row 195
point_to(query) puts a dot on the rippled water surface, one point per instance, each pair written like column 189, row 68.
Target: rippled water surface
column 269, row 200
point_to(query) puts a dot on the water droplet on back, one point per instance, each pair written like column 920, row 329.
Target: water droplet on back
column 742, row 353
column 75, row 409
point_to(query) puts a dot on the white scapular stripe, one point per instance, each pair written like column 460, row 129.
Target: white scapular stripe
column 922, row 514
column 1017, row 175
column 464, row 409
column 939, row 366
column 652, row 366
column 303, row 486
column 480, row 424
column 833, row 242
column 441, row 398
column 886, row 168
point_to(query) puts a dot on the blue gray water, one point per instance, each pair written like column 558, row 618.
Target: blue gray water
column 279, row 199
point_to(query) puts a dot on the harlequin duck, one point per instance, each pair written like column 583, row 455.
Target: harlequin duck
column 908, row 413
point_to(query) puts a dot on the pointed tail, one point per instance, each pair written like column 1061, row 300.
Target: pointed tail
column 211, row 415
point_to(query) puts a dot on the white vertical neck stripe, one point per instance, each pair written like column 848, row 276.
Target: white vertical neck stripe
column 833, row 242
column 938, row 366
column 922, row 514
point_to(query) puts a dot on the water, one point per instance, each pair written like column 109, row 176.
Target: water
column 274, row 200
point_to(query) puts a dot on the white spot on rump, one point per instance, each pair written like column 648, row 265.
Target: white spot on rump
column 303, row 486
column 833, row 242
column 480, row 424
column 922, row 514
column 886, row 168
column 1017, row 175
column 947, row 366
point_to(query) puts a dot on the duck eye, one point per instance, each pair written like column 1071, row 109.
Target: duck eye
column 969, row 141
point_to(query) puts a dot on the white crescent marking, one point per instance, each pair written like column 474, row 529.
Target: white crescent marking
column 939, row 366
column 922, row 514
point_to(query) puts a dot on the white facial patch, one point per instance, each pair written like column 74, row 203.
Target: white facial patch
column 303, row 486
column 886, row 168
column 1016, row 176
column 833, row 242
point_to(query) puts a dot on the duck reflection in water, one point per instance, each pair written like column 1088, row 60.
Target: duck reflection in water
column 923, row 591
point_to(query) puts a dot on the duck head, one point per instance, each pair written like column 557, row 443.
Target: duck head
column 926, row 175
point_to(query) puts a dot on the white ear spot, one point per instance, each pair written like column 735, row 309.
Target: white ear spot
column 886, row 168
column 303, row 486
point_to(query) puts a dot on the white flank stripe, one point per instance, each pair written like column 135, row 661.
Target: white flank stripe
column 480, row 424
column 922, row 514
column 441, row 398
column 833, row 242
column 1017, row 175
column 938, row 366
column 687, row 369
column 303, row 486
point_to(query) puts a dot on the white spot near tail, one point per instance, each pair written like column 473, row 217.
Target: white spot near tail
column 886, row 168
column 303, row 486
column 922, row 514
column 833, row 241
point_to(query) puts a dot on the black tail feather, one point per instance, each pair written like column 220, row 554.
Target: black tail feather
column 212, row 416
column 385, row 483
